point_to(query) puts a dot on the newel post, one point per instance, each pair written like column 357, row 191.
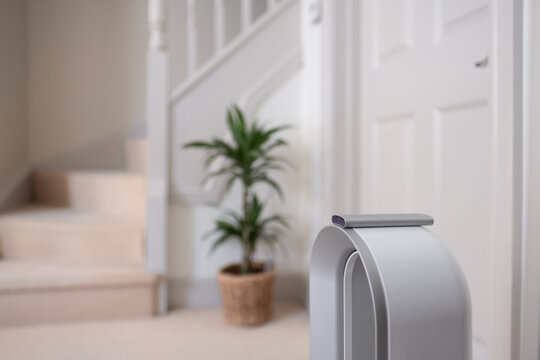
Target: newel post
column 157, row 127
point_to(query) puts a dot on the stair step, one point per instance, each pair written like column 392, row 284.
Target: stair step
column 34, row 293
column 111, row 192
column 64, row 235
column 136, row 155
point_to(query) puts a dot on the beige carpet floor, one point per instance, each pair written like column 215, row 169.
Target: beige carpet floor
column 194, row 334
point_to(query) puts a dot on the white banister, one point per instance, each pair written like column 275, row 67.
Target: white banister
column 219, row 26
column 246, row 14
column 157, row 125
column 192, row 48
column 231, row 47
column 156, row 24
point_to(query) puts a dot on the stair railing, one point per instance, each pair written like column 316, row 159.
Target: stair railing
column 222, row 50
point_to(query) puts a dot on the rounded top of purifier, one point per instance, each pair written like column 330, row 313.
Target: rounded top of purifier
column 381, row 220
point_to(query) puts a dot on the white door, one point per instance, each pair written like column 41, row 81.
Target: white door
column 432, row 144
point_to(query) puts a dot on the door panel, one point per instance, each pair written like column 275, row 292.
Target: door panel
column 429, row 135
column 453, row 14
column 393, row 145
column 393, row 28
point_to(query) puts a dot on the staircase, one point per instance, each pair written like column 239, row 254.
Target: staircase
column 77, row 252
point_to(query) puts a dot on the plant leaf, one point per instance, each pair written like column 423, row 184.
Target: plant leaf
column 220, row 241
column 275, row 144
column 273, row 184
column 197, row 144
column 225, row 170
column 276, row 218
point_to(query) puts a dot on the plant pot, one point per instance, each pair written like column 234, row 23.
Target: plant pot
column 246, row 299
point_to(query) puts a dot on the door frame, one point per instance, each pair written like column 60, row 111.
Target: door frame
column 527, row 295
column 342, row 159
column 340, row 151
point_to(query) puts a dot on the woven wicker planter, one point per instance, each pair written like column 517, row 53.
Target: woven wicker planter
column 246, row 299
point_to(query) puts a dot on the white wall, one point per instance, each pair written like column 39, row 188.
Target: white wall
column 86, row 79
column 192, row 268
column 13, row 125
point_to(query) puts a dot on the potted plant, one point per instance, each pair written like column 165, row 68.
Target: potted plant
column 246, row 287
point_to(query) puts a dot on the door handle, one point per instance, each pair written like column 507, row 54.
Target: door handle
column 482, row 62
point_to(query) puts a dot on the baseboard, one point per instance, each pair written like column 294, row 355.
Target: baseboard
column 17, row 190
column 205, row 292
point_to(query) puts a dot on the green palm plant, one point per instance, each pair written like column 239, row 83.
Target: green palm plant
column 249, row 159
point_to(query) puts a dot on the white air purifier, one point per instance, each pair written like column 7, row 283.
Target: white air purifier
column 382, row 287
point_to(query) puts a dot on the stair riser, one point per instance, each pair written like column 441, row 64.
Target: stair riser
column 77, row 304
column 71, row 244
column 109, row 194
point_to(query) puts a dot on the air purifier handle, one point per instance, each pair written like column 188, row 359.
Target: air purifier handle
column 381, row 220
